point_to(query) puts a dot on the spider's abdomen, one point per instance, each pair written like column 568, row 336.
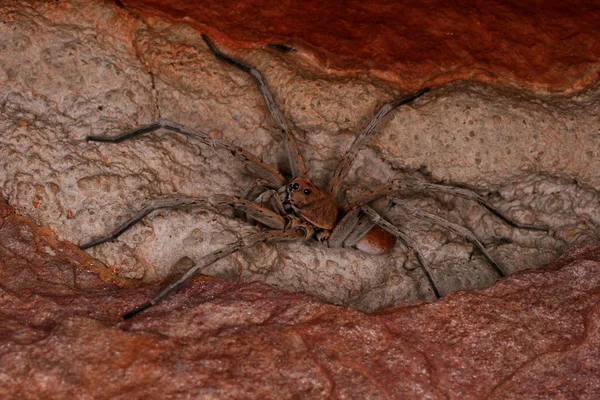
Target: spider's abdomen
column 376, row 241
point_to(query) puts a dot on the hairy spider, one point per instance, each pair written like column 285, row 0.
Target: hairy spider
column 296, row 209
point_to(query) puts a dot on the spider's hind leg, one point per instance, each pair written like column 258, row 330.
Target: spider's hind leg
column 269, row 236
column 257, row 213
column 460, row 230
column 353, row 227
column 377, row 219
column 409, row 187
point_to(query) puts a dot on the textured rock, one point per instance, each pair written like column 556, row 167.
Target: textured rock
column 534, row 335
column 74, row 69
column 539, row 44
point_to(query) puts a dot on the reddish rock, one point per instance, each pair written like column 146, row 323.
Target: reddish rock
column 534, row 335
column 547, row 45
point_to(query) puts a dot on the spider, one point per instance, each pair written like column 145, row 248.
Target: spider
column 297, row 209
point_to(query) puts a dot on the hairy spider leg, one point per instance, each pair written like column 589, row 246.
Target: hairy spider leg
column 407, row 187
column 354, row 226
column 254, row 211
column 346, row 162
column 294, row 156
column 460, row 230
column 404, row 238
column 157, row 204
column 255, row 164
column 292, row 235
column 403, row 187
column 262, row 215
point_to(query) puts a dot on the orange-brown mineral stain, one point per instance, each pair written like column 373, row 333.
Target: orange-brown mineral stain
column 547, row 45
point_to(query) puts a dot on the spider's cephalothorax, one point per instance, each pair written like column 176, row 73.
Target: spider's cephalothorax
column 311, row 204
column 318, row 208
column 300, row 210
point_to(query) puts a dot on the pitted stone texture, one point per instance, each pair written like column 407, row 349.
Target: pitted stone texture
column 74, row 69
column 534, row 335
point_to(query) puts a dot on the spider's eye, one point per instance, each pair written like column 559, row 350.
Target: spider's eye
column 295, row 186
column 307, row 191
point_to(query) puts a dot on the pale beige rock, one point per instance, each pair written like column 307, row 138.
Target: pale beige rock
column 72, row 70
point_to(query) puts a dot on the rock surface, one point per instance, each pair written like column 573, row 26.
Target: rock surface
column 534, row 335
column 529, row 144
column 548, row 45
column 78, row 68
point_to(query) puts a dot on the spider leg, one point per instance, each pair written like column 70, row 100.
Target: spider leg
column 254, row 211
column 260, row 214
column 353, row 226
column 377, row 219
column 460, row 230
column 254, row 163
column 344, row 228
column 257, row 188
column 154, row 205
column 291, row 147
column 272, row 199
column 261, row 193
column 398, row 186
column 270, row 237
column 346, row 162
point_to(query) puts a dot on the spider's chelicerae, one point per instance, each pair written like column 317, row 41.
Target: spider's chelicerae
column 296, row 209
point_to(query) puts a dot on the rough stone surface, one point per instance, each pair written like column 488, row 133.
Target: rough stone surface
column 70, row 69
column 529, row 143
column 533, row 335
column 540, row 44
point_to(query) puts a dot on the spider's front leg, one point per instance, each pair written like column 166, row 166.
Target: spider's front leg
column 260, row 168
column 294, row 156
column 268, row 218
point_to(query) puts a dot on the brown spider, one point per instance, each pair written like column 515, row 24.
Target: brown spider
column 299, row 210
